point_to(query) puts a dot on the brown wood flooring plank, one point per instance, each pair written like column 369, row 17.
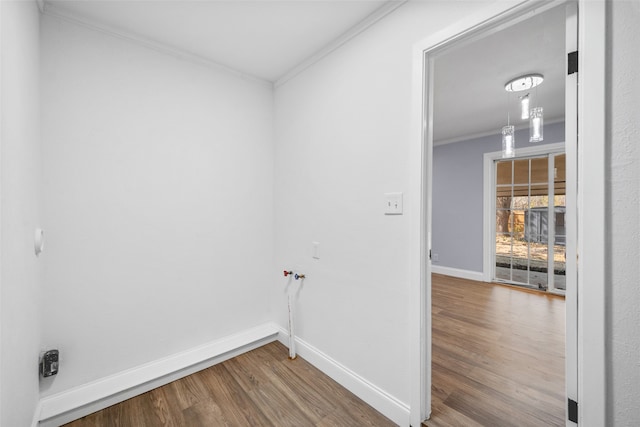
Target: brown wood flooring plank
column 346, row 408
column 307, row 399
column 280, row 408
column 229, row 400
column 259, row 388
column 168, row 409
column 498, row 356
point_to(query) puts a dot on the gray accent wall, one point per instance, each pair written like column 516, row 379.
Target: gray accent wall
column 457, row 196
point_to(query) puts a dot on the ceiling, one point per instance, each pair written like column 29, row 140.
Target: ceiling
column 261, row 38
column 469, row 95
column 272, row 39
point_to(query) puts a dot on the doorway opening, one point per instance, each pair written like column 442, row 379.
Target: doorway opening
column 585, row 112
column 529, row 212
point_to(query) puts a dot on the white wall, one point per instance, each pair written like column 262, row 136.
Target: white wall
column 342, row 141
column 21, row 182
column 158, row 202
column 623, row 307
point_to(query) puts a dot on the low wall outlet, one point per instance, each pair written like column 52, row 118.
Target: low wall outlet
column 315, row 250
column 393, row 203
column 49, row 363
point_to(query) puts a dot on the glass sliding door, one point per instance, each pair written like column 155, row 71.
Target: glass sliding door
column 529, row 227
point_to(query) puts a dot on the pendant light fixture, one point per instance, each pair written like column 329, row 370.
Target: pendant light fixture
column 508, row 136
column 524, row 107
column 508, row 142
column 536, row 128
column 534, row 115
column 525, row 82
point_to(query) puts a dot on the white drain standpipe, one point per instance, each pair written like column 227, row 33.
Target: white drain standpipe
column 292, row 338
column 291, row 305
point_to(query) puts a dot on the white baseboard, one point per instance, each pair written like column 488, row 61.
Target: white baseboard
column 457, row 272
column 36, row 415
column 61, row 408
column 389, row 406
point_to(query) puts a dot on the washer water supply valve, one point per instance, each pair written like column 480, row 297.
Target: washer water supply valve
column 296, row 276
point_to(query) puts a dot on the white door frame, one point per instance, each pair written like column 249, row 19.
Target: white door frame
column 591, row 204
column 1, row 142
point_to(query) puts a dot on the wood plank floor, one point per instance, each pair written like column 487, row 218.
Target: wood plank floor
column 259, row 388
column 498, row 356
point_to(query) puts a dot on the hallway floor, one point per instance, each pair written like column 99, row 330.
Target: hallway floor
column 498, row 355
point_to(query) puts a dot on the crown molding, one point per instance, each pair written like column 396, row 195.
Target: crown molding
column 363, row 25
column 52, row 10
column 57, row 12
column 494, row 132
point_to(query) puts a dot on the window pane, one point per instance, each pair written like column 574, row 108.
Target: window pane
column 539, row 190
column 503, row 191
column 539, row 201
column 540, row 170
column 539, row 279
column 521, row 171
column 503, row 171
column 503, row 256
column 503, row 220
column 503, row 245
column 521, row 191
column 560, row 184
column 560, row 167
column 517, row 223
column 503, row 272
column 559, row 266
column 520, row 252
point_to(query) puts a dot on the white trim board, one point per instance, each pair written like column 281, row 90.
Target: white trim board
column 457, row 272
column 35, row 421
column 383, row 402
column 592, row 221
column 1, row 174
column 85, row 399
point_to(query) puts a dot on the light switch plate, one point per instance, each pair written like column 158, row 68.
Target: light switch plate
column 393, row 203
column 315, row 250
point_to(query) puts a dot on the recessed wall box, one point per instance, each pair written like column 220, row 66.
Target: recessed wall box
column 49, row 363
